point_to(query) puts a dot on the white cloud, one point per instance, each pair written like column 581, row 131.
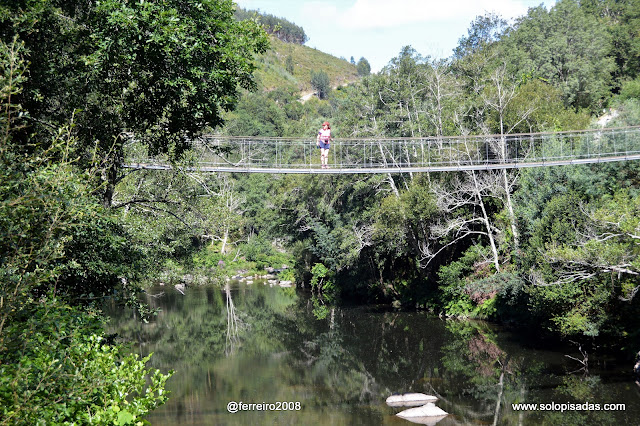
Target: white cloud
column 321, row 12
column 379, row 14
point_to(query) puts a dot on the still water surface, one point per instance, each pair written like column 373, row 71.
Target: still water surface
column 260, row 344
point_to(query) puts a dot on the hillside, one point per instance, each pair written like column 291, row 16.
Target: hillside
column 273, row 69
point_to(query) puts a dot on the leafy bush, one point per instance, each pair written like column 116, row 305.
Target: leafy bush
column 320, row 83
column 318, row 274
column 57, row 368
column 263, row 253
column 630, row 90
column 287, row 275
column 455, row 299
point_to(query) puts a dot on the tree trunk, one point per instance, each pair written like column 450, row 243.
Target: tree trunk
column 512, row 216
column 223, row 249
column 487, row 224
column 110, row 178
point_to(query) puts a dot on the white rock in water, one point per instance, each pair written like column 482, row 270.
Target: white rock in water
column 428, row 410
column 431, row 421
column 410, row 399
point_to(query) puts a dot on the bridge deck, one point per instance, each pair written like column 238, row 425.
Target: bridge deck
column 352, row 156
column 371, row 170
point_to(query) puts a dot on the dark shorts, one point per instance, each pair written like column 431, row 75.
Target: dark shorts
column 323, row 145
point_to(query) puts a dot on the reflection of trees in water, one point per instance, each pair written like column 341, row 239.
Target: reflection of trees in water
column 237, row 344
column 365, row 356
column 331, row 366
column 492, row 376
column 205, row 337
column 497, row 378
column 233, row 322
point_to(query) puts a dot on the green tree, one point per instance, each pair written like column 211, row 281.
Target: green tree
column 257, row 115
column 289, row 65
column 568, row 48
column 320, row 83
column 363, row 67
column 622, row 21
column 59, row 246
column 162, row 70
column 538, row 106
column 52, row 230
column 483, row 31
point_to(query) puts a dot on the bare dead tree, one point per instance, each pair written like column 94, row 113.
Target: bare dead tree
column 498, row 97
column 466, row 192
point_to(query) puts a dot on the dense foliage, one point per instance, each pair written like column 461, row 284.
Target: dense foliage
column 550, row 247
column 285, row 30
column 78, row 81
column 59, row 246
column 161, row 70
column 66, row 372
column 86, row 85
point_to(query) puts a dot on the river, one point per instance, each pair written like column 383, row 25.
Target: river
column 256, row 344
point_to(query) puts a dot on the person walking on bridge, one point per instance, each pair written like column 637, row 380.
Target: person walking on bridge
column 323, row 141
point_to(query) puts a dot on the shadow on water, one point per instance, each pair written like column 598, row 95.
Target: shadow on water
column 257, row 344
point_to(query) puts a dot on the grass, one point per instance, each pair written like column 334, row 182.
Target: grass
column 273, row 73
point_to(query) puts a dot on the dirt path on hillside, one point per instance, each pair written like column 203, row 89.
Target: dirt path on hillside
column 306, row 96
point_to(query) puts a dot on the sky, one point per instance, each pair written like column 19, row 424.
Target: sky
column 378, row 29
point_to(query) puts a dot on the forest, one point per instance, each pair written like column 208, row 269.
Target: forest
column 279, row 27
column 554, row 250
column 550, row 247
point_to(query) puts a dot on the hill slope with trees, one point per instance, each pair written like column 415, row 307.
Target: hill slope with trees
column 529, row 247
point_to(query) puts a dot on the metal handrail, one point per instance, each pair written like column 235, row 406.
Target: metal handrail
column 379, row 155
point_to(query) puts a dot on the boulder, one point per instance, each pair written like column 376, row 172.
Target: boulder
column 410, row 400
column 427, row 410
column 431, row 421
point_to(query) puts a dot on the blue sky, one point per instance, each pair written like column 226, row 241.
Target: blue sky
column 378, row 29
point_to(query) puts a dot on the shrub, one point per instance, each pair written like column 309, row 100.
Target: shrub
column 630, row 90
column 57, row 368
column 321, row 84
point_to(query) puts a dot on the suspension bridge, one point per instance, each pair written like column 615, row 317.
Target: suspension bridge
column 213, row 153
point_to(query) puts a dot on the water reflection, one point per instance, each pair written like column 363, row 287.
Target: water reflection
column 258, row 344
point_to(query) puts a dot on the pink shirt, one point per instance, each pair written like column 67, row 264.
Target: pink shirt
column 325, row 135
